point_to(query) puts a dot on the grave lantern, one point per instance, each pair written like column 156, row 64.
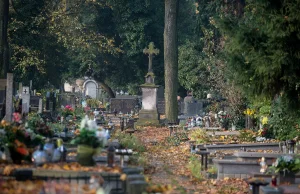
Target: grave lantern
column 291, row 146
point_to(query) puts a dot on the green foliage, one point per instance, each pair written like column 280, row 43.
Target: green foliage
column 87, row 137
column 130, row 142
column 177, row 138
column 212, row 170
column 200, row 136
column 195, row 167
column 192, row 70
column 283, row 121
column 79, row 112
column 37, row 124
column 56, row 127
column 93, row 103
column 263, row 52
column 137, row 23
column 35, row 52
column 247, row 135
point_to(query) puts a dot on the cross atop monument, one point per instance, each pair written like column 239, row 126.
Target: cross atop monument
column 150, row 51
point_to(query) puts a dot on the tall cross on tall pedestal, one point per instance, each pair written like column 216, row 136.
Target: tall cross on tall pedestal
column 150, row 51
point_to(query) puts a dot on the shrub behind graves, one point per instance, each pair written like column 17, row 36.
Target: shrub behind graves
column 130, row 142
column 284, row 122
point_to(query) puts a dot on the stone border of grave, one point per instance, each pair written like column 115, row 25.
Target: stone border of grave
column 236, row 169
column 255, row 156
column 253, row 146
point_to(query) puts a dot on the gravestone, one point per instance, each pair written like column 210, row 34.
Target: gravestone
column 66, row 99
column 149, row 114
column 9, row 97
column 34, row 103
column 124, row 105
column 193, row 108
column 40, row 110
column 25, row 100
column 2, row 84
column 91, row 88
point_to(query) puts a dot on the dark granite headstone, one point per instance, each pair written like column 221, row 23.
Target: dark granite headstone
column 123, row 105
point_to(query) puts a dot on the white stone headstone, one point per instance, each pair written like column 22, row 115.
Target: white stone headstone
column 25, row 99
column 40, row 105
column 68, row 87
column 25, row 107
column 91, row 88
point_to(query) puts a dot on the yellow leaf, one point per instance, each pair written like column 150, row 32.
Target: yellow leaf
column 123, row 177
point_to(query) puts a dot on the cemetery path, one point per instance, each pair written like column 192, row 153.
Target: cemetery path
column 168, row 165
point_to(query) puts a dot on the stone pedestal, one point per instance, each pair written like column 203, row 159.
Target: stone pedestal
column 148, row 115
column 25, row 102
column 9, row 97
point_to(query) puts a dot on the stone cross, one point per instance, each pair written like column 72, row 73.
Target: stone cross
column 150, row 51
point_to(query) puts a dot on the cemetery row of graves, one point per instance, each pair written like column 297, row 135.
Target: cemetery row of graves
column 71, row 143
column 90, row 147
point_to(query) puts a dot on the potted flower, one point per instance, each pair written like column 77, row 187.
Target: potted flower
column 287, row 166
column 87, row 146
column 18, row 140
column 67, row 111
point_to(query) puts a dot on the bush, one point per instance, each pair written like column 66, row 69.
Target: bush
column 247, row 135
column 130, row 142
column 284, row 121
column 200, row 136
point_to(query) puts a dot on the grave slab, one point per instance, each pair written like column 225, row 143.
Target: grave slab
column 251, row 146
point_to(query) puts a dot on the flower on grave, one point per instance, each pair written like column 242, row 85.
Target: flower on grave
column 16, row 117
column 286, row 163
column 67, row 110
column 287, row 158
column 249, row 112
column 264, row 121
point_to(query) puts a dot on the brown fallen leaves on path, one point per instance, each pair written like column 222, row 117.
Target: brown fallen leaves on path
column 170, row 167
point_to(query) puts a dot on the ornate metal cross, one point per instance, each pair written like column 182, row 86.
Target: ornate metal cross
column 150, row 51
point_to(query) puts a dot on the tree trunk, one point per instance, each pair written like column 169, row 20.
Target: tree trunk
column 171, row 60
column 4, row 50
column 107, row 89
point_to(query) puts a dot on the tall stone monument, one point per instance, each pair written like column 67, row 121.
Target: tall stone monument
column 9, row 97
column 148, row 115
